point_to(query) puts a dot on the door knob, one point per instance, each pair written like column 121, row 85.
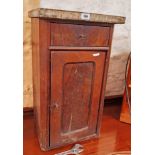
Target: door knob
column 55, row 105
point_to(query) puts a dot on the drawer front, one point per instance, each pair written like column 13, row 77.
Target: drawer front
column 79, row 35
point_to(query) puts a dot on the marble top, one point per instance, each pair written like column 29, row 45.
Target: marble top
column 73, row 15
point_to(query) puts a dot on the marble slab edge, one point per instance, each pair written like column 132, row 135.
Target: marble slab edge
column 73, row 15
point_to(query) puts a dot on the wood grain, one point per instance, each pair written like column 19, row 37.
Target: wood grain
column 73, row 15
column 105, row 74
column 74, row 92
column 74, row 48
column 41, row 76
column 77, row 90
column 79, row 35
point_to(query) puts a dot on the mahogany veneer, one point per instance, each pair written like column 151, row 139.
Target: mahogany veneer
column 70, row 64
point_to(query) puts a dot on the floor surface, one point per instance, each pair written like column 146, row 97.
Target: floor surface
column 115, row 136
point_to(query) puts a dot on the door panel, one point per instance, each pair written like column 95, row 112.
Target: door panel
column 77, row 88
column 76, row 80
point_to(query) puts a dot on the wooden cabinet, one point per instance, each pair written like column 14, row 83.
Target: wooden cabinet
column 70, row 64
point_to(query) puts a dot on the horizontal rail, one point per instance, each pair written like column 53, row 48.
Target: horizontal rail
column 78, row 48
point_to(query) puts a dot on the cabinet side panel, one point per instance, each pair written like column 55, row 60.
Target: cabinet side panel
column 36, row 72
column 44, row 54
column 41, row 73
column 77, row 86
column 105, row 73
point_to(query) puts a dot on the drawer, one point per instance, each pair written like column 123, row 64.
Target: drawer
column 79, row 35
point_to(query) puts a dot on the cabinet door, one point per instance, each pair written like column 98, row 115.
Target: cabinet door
column 76, row 80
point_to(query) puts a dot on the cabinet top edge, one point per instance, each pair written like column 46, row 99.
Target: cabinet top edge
column 73, row 15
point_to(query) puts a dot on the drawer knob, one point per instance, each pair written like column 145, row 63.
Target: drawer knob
column 82, row 36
